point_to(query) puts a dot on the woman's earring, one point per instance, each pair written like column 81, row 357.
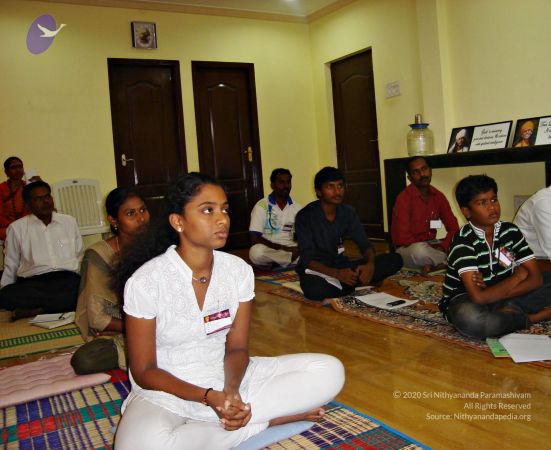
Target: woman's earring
column 115, row 227
column 179, row 229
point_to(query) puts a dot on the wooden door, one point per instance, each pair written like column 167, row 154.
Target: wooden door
column 356, row 134
column 148, row 134
column 227, row 137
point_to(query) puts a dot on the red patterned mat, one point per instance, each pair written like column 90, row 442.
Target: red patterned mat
column 77, row 420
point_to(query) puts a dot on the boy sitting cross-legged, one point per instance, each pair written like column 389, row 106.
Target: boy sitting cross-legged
column 493, row 285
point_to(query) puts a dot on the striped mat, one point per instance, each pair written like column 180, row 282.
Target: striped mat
column 77, row 420
column 21, row 338
column 84, row 419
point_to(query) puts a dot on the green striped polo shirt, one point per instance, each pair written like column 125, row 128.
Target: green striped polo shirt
column 470, row 252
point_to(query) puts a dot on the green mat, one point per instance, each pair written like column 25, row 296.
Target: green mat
column 20, row 338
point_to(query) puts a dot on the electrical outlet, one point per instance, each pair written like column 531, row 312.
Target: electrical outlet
column 392, row 89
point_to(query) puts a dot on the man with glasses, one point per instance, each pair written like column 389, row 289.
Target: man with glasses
column 43, row 252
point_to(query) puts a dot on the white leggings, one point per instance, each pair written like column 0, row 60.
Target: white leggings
column 301, row 383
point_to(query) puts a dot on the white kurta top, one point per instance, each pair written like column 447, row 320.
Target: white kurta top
column 162, row 289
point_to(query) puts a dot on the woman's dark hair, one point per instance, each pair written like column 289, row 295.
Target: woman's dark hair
column 8, row 161
column 469, row 187
column 160, row 235
column 115, row 199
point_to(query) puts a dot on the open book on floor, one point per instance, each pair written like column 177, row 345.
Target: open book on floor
column 56, row 320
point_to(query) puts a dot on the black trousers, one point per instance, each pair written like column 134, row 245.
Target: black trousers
column 53, row 292
column 316, row 288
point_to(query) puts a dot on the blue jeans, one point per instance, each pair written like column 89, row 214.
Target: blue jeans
column 482, row 321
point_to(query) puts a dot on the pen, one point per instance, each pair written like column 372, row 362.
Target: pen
column 61, row 316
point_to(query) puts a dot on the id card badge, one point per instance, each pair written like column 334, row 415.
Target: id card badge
column 217, row 322
column 435, row 224
column 504, row 257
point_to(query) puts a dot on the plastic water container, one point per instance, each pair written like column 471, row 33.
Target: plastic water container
column 420, row 140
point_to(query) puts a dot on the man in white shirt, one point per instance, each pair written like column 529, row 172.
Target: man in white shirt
column 534, row 220
column 272, row 226
column 43, row 253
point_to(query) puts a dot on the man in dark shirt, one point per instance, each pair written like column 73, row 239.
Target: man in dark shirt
column 321, row 228
column 493, row 285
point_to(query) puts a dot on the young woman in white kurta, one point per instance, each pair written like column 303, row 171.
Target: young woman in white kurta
column 193, row 383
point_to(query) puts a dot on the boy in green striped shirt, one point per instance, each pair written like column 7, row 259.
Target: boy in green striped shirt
column 493, row 285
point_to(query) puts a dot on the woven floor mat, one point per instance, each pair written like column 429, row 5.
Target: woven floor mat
column 21, row 338
column 85, row 419
column 77, row 420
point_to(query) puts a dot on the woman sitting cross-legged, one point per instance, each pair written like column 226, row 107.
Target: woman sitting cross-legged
column 98, row 313
column 188, row 310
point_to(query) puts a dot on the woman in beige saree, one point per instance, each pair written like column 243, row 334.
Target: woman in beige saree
column 98, row 312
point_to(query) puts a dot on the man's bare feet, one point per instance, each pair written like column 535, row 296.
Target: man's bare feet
column 314, row 415
column 425, row 270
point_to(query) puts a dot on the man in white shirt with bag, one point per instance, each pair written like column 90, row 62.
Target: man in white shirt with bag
column 43, row 253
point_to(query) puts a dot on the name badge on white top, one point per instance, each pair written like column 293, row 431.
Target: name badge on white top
column 435, row 224
column 217, row 322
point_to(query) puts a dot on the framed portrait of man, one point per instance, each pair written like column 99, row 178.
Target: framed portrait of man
column 460, row 140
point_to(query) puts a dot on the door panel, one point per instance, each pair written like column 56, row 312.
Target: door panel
column 146, row 109
column 356, row 134
column 227, row 134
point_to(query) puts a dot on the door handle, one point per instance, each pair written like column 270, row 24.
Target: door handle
column 125, row 160
column 249, row 153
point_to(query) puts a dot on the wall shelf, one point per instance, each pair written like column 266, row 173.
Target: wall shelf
column 395, row 168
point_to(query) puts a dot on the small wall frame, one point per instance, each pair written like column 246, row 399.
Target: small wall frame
column 144, row 35
column 532, row 131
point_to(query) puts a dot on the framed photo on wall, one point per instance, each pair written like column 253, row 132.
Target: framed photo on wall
column 532, row 131
column 489, row 136
column 144, row 35
column 460, row 140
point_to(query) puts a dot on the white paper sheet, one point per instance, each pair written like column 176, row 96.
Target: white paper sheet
column 330, row 280
column 41, row 318
column 382, row 300
column 527, row 347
